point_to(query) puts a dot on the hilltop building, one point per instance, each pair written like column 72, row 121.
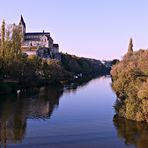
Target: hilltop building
column 38, row 43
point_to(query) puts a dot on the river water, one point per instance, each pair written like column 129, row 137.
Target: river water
column 73, row 117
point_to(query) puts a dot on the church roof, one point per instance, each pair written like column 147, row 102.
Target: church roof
column 56, row 45
column 36, row 36
column 37, row 33
column 32, row 39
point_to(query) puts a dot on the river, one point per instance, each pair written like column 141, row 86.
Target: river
column 73, row 117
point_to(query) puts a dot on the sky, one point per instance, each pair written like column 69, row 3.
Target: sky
column 98, row 29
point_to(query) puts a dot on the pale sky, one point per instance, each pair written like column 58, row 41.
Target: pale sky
column 90, row 28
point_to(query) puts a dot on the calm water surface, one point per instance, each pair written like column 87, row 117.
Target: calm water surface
column 75, row 117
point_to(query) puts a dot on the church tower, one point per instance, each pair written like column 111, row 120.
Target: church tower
column 22, row 25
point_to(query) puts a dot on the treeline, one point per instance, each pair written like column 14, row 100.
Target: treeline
column 130, row 82
column 82, row 65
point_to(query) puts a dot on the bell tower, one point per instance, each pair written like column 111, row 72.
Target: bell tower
column 22, row 25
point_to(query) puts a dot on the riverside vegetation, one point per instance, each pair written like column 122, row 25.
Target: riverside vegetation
column 130, row 82
column 18, row 71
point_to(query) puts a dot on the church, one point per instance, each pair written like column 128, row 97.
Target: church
column 37, row 42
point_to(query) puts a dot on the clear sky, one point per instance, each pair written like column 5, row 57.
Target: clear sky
column 91, row 28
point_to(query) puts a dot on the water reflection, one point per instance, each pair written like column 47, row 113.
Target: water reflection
column 90, row 123
column 31, row 104
column 14, row 111
column 133, row 133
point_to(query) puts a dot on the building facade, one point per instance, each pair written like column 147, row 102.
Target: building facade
column 32, row 41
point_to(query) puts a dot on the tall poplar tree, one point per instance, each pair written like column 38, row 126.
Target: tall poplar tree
column 130, row 46
column 16, row 40
column 2, row 53
column 2, row 50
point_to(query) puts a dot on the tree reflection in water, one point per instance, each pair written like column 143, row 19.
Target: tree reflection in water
column 134, row 133
column 15, row 110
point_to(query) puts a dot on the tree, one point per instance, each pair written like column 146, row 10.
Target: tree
column 2, row 50
column 16, row 40
column 130, row 46
column 2, row 53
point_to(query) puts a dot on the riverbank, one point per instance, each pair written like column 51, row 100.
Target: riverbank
column 9, row 86
column 29, row 72
column 130, row 83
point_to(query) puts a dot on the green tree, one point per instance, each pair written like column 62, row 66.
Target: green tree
column 16, row 40
column 2, row 50
column 2, row 53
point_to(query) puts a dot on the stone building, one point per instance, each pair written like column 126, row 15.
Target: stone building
column 33, row 41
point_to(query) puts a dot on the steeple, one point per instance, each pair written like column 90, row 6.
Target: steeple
column 22, row 22
column 23, row 25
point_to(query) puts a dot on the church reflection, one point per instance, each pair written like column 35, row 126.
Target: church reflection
column 133, row 133
column 15, row 110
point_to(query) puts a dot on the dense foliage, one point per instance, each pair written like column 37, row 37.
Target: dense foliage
column 17, row 68
column 130, row 82
column 82, row 65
